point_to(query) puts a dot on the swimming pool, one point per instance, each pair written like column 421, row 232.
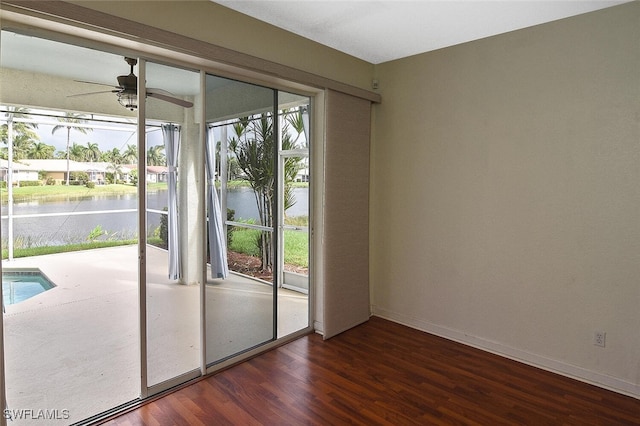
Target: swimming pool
column 21, row 284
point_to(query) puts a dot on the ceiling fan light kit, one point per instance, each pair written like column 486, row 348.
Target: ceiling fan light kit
column 128, row 100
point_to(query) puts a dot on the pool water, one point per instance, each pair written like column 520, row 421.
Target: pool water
column 18, row 286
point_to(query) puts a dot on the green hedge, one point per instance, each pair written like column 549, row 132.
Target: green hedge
column 25, row 183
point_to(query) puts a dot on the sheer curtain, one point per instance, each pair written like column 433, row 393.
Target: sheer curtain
column 171, row 137
column 217, row 239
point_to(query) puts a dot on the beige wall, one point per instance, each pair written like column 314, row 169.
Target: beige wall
column 213, row 23
column 505, row 204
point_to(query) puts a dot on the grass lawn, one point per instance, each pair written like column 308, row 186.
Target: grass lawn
column 39, row 251
column 55, row 191
column 63, row 191
column 296, row 245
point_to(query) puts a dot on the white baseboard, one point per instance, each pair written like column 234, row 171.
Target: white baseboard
column 554, row 366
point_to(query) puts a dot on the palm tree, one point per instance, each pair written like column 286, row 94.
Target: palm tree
column 130, row 155
column 92, row 152
column 70, row 118
column 294, row 118
column 116, row 170
column 155, row 156
column 114, row 156
column 24, row 134
column 76, row 152
column 22, row 145
column 40, row 150
column 17, row 112
column 253, row 146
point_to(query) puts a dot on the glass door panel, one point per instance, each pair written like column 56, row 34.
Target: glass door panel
column 293, row 296
column 293, row 224
column 173, row 279
column 240, row 309
column 70, row 277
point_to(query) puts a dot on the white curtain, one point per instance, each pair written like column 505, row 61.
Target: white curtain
column 217, row 238
column 171, row 137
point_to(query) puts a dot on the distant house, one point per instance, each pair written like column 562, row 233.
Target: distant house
column 57, row 169
column 302, row 175
column 155, row 174
column 21, row 171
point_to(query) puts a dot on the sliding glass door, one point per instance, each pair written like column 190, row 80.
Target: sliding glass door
column 174, row 225
column 155, row 225
column 69, row 234
column 240, row 306
column 258, row 150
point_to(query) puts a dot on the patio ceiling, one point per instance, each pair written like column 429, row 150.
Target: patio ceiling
column 37, row 55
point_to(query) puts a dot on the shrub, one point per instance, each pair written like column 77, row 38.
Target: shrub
column 231, row 216
column 246, row 241
column 133, row 176
column 90, row 185
column 96, row 233
column 164, row 228
column 81, row 177
column 24, row 183
column 50, row 181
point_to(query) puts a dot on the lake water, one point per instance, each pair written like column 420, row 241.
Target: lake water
column 58, row 230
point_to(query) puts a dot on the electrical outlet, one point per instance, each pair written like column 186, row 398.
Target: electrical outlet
column 599, row 338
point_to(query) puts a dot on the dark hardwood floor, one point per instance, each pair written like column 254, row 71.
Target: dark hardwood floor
column 385, row 373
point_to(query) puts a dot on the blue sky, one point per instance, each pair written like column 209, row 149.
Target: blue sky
column 106, row 139
column 119, row 138
column 107, row 132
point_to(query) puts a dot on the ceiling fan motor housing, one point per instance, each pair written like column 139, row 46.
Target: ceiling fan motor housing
column 129, row 82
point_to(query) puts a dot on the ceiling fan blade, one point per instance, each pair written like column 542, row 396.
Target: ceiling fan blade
column 91, row 93
column 160, row 91
column 166, row 98
column 93, row 82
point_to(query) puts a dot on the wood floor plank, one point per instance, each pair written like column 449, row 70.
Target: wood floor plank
column 382, row 373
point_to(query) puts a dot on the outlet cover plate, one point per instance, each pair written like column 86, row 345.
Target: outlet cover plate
column 599, row 338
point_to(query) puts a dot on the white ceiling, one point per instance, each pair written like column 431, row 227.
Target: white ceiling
column 382, row 30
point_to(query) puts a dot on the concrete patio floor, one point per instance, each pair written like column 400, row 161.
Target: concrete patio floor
column 75, row 348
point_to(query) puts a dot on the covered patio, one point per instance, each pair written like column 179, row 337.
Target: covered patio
column 76, row 347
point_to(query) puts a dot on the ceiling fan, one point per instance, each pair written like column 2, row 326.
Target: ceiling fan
column 127, row 90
